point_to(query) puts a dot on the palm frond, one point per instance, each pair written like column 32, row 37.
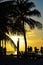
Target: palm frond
column 3, row 28
column 17, row 26
column 26, row 1
column 7, row 2
column 29, row 5
column 12, row 44
column 36, row 23
column 33, row 13
column 2, row 35
column 32, row 23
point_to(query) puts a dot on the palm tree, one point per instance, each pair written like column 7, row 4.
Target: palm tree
column 4, row 37
column 3, row 19
column 4, row 25
column 3, row 29
column 23, row 9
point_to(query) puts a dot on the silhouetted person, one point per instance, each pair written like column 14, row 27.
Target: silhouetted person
column 36, row 50
column 29, row 49
column 41, row 50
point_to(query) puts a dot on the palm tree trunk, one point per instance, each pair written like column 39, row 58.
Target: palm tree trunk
column 25, row 39
column 25, row 42
column 5, row 42
column 5, row 46
column 18, row 48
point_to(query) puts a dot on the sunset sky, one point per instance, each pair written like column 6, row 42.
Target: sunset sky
column 34, row 37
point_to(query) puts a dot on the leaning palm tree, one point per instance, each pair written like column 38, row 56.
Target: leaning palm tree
column 22, row 10
column 4, row 25
column 3, row 20
column 4, row 37
column 3, row 30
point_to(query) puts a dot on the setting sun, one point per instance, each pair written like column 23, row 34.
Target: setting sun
column 34, row 39
column 21, row 41
column 14, row 38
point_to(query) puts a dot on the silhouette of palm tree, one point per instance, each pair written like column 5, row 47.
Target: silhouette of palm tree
column 6, row 38
column 3, row 19
column 22, row 10
column 3, row 22
column 12, row 43
column 3, row 30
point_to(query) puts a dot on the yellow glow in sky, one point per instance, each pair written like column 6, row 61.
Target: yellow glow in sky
column 34, row 38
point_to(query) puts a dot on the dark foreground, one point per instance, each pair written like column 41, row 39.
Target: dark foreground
column 10, row 60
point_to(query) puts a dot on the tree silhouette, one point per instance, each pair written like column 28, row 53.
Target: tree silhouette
column 22, row 10
column 4, row 25
column 4, row 20
column 3, row 30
